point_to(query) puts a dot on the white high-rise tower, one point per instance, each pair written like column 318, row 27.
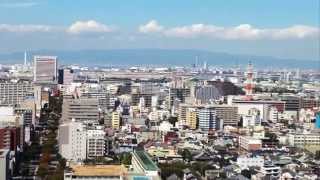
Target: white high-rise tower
column 25, row 58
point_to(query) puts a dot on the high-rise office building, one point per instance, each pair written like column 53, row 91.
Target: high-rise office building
column 45, row 69
column 83, row 109
column 206, row 94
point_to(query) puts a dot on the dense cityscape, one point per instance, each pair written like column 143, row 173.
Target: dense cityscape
column 195, row 122
column 159, row 90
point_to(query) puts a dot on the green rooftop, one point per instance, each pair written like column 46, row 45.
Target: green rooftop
column 146, row 161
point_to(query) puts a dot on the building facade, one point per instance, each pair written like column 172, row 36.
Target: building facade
column 45, row 69
column 249, row 143
column 207, row 119
column 12, row 93
column 96, row 142
column 4, row 164
column 73, row 141
column 83, row 109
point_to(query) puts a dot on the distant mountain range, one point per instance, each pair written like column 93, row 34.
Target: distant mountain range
column 181, row 57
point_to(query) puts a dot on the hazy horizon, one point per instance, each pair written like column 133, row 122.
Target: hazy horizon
column 181, row 57
column 283, row 29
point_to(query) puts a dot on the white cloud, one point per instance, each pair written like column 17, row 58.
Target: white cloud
column 90, row 26
column 297, row 31
column 18, row 3
column 25, row 28
column 151, row 27
column 192, row 31
column 240, row 32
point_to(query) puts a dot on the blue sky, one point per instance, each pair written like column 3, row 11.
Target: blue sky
column 286, row 28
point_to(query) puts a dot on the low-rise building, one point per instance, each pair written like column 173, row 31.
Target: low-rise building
column 270, row 170
column 249, row 143
column 103, row 172
column 142, row 163
column 245, row 162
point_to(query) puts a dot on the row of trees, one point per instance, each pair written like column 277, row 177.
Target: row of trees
column 49, row 152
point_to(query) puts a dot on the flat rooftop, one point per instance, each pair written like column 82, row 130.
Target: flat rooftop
column 146, row 161
column 99, row 170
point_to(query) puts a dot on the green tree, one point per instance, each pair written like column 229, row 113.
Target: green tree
column 317, row 155
column 246, row 173
column 125, row 158
column 42, row 170
column 172, row 168
column 172, row 120
column 186, row 155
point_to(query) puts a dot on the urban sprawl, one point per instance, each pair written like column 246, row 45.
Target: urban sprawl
column 146, row 123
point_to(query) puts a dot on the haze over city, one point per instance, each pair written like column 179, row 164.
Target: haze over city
column 281, row 29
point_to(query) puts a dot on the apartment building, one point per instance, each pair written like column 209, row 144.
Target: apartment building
column 228, row 113
column 12, row 93
column 207, row 119
column 192, row 118
column 304, row 139
column 96, row 142
column 115, row 120
column 73, row 141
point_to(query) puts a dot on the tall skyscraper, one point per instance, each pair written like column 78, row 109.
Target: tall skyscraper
column 45, row 69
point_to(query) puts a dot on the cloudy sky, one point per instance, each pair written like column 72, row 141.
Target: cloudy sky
column 286, row 28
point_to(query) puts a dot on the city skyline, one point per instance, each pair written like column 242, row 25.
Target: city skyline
column 159, row 90
column 281, row 29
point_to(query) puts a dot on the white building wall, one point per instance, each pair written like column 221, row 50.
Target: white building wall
column 72, row 141
column 246, row 162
